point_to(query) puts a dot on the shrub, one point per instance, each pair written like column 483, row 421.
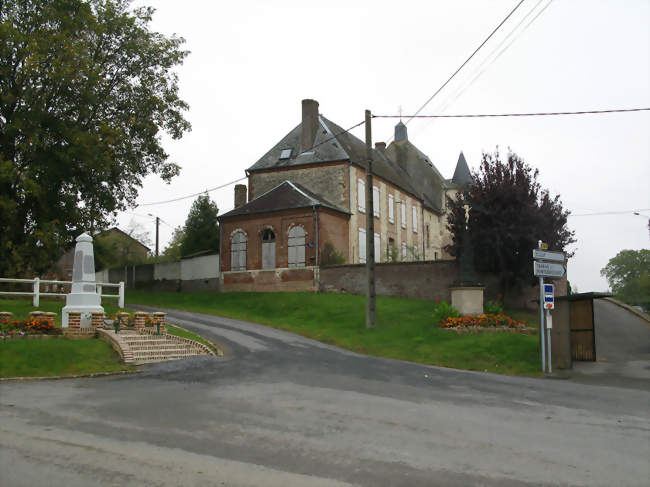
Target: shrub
column 493, row 308
column 330, row 256
column 484, row 320
column 29, row 327
column 443, row 311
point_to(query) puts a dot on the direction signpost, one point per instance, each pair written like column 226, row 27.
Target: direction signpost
column 547, row 263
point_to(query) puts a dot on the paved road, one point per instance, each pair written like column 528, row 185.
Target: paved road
column 281, row 410
column 622, row 349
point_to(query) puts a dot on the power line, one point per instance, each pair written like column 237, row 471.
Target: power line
column 490, row 60
column 534, row 114
column 244, row 178
column 467, row 60
column 622, row 212
column 193, row 194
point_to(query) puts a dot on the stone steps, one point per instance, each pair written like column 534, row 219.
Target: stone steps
column 140, row 347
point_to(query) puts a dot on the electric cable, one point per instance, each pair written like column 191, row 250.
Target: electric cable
column 531, row 114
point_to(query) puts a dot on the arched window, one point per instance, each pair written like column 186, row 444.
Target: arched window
column 268, row 249
column 296, row 247
column 238, row 251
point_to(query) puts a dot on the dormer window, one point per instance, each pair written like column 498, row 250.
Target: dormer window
column 285, row 154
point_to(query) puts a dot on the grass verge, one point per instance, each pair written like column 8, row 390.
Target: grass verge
column 182, row 332
column 405, row 328
column 52, row 357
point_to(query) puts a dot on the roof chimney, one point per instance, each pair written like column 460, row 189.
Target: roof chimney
column 380, row 146
column 400, row 132
column 309, row 123
column 240, row 195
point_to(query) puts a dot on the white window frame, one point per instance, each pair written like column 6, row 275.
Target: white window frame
column 362, row 245
column 361, row 195
column 240, row 250
column 375, row 201
column 403, row 215
column 414, row 210
column 391, row 208
column 296, row 247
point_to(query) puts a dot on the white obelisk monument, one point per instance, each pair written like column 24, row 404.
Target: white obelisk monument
column 83, row 296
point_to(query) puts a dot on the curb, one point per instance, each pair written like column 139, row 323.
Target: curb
column 61, row 377
column 218, row 350
column 632, row 310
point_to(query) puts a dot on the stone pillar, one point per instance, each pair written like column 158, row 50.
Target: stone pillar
column 97, row 319
column 159, row 319
column 49, row 317
column 5, row 316
column 125, row 317
column 83, row 296
column 74, row 320
column 139, row 319
column 36, row 315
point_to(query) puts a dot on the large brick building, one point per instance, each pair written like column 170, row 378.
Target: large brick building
column 308, row 192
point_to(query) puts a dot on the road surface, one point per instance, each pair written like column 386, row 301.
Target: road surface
column 282, row 410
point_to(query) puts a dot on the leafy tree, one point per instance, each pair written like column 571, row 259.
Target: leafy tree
column 509, row 213
column 86, row 91
column 628, row 275
column 201, row 227
column 173, row 249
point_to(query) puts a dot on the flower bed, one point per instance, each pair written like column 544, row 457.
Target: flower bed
column 484, row 321
column 34, row 326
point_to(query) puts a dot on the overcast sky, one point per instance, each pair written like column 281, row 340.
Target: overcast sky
column 252, row 62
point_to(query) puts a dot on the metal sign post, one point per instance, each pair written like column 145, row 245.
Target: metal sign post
column 550, row 264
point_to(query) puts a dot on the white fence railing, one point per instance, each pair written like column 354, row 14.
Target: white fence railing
column 36, row 289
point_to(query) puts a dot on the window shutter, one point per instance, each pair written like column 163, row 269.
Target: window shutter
column 377, row 248
column 375, row 200
column 362, row 245
column 403, row 206
column 391, row 209
column 361, row 195
column 415, row 220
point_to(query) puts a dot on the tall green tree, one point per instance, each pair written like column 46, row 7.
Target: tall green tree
column 86, row 92
column 509, row 213
column 628, row 275
column 201, row 231
column 173, row 249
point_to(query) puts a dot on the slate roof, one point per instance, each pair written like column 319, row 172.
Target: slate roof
column 462, row 175
column 343, row 147
column 285, row 196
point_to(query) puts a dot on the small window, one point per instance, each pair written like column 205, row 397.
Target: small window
column 391, row 208
column 362, row 245
column 375, row 200
column 435, row 255
column 361, row 195
column 403, row 205
column 415, row 219
column 238, row 252
column 285, row 154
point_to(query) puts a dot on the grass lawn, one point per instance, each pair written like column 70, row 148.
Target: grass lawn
column 405, row 328
column 50, row 357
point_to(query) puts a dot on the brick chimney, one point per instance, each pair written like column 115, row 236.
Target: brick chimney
column 309, row 123
column 240, row 195
column 380, row 146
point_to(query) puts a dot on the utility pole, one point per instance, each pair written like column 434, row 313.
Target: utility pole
column 157, row 232
column 370, row 230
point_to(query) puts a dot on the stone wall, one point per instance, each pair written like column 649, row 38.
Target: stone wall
column 272, row 280
column 424, row 280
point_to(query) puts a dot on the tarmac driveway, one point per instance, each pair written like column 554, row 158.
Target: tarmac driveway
column 283, row 410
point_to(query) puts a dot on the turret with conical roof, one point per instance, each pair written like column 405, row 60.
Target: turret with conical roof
column 462, row 175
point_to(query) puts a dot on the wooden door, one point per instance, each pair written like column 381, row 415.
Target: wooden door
column 583, row 340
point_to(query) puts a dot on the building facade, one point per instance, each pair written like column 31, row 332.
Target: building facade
column 307, row 194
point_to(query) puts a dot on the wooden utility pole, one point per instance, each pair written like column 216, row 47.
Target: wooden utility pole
column 370, row 230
